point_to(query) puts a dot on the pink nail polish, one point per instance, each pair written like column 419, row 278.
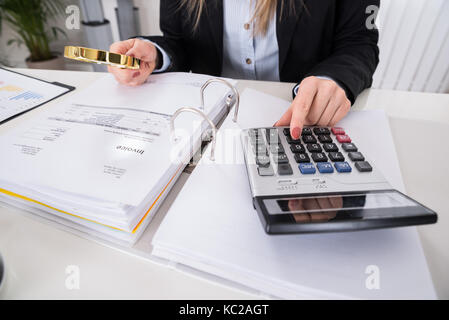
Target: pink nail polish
column 295, row 133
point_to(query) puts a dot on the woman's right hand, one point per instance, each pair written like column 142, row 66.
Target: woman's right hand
column 143, row 50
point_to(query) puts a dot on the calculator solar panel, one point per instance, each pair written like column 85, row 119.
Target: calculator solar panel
column 321, row 182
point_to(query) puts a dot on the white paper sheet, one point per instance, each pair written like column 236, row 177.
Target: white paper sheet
column 212, row 226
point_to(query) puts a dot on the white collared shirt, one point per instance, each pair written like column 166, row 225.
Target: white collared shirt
column 244, row 56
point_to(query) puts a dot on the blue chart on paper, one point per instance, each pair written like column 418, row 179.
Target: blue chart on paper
column 27, row 95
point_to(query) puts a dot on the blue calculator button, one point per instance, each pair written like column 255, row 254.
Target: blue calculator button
column 325, row 167
column 307, row 168
column 342, row 167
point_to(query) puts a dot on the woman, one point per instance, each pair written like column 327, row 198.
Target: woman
column 323, row 45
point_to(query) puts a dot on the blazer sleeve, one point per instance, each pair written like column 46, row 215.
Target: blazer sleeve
column 355, row 53
column 172, row 41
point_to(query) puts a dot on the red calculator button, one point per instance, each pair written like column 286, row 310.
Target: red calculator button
column 337, row 131
column 342, row 138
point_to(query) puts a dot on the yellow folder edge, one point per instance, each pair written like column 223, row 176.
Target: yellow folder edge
column 16, row 195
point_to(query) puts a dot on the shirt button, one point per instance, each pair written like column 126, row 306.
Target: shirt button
column 248, row 61
column 246, row 26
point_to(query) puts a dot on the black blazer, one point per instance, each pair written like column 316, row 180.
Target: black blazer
column 324, row 37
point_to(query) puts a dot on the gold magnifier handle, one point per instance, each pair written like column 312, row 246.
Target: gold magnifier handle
column 101, row 57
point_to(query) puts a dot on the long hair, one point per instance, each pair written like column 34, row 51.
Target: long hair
column 263, row 13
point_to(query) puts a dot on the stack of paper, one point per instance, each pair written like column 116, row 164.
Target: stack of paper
column 103, row 161
column 213, row 227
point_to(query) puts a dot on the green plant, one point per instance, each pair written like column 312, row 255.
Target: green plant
column 30, row 21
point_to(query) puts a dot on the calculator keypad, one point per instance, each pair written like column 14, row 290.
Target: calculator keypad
column 316, row 151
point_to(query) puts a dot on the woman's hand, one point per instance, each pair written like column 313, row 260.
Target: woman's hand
column 318, row 102
column 143, row 50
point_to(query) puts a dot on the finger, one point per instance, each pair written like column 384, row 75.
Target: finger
column 342, row 110
column 295, row 205
column 336, row 202
column 324, row 95
column 123, row 76
column 285, row 119
column 311, row 205
column 122, row 47
column 301, row 217
column 301, row 106
column 335, row 102
column 324, row 203
column 327, row 206
column 142, row 50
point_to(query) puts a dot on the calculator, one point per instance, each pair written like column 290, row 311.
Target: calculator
column 321, row 182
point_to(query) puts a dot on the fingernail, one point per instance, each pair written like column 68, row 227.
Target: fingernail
column 136, row 74
column 295, row 133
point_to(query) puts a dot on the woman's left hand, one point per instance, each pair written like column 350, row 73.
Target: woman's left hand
column 318, row 102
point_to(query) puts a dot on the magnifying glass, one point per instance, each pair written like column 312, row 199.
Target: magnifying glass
column 101, row 57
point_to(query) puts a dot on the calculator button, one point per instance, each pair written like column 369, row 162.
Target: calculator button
column 319, row 131
column 284, row 169
column 302, row 157
column 265, row 172
column 286, row 131
column 254, row 133
column 297, row 148
column 363, row 166
column 336, row 156
column 280, row 158
column 287, row 182
column 325, row 138
column 263, row 161
column 290, row 140
column 338, row 131
column 260, row 149
column 272, row 136
column 308, row 139
column 306, row 131
column 307, row 168
column 349, row 147
column 325, row 167
column 319, row 157
column 342, row 167
column 330, row 147
column 256, row 140
column 276, row 148
column 356, row 156
column 343, row 138
column 314, row 147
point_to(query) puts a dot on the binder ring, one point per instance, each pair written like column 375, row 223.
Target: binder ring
column 199, row 112
column 228, row 98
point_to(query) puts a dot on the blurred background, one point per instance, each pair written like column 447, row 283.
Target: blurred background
column 414, row 36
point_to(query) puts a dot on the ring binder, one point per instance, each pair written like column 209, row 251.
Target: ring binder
column 201, row 113
column 229, row 98
column 229, row 102
column 2, row 272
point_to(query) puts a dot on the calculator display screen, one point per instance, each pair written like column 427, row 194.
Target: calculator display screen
column 327, row 208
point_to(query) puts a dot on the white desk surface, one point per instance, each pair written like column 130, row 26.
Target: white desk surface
column 37, row 254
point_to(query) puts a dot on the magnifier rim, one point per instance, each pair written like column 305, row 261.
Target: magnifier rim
column 101, row 57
